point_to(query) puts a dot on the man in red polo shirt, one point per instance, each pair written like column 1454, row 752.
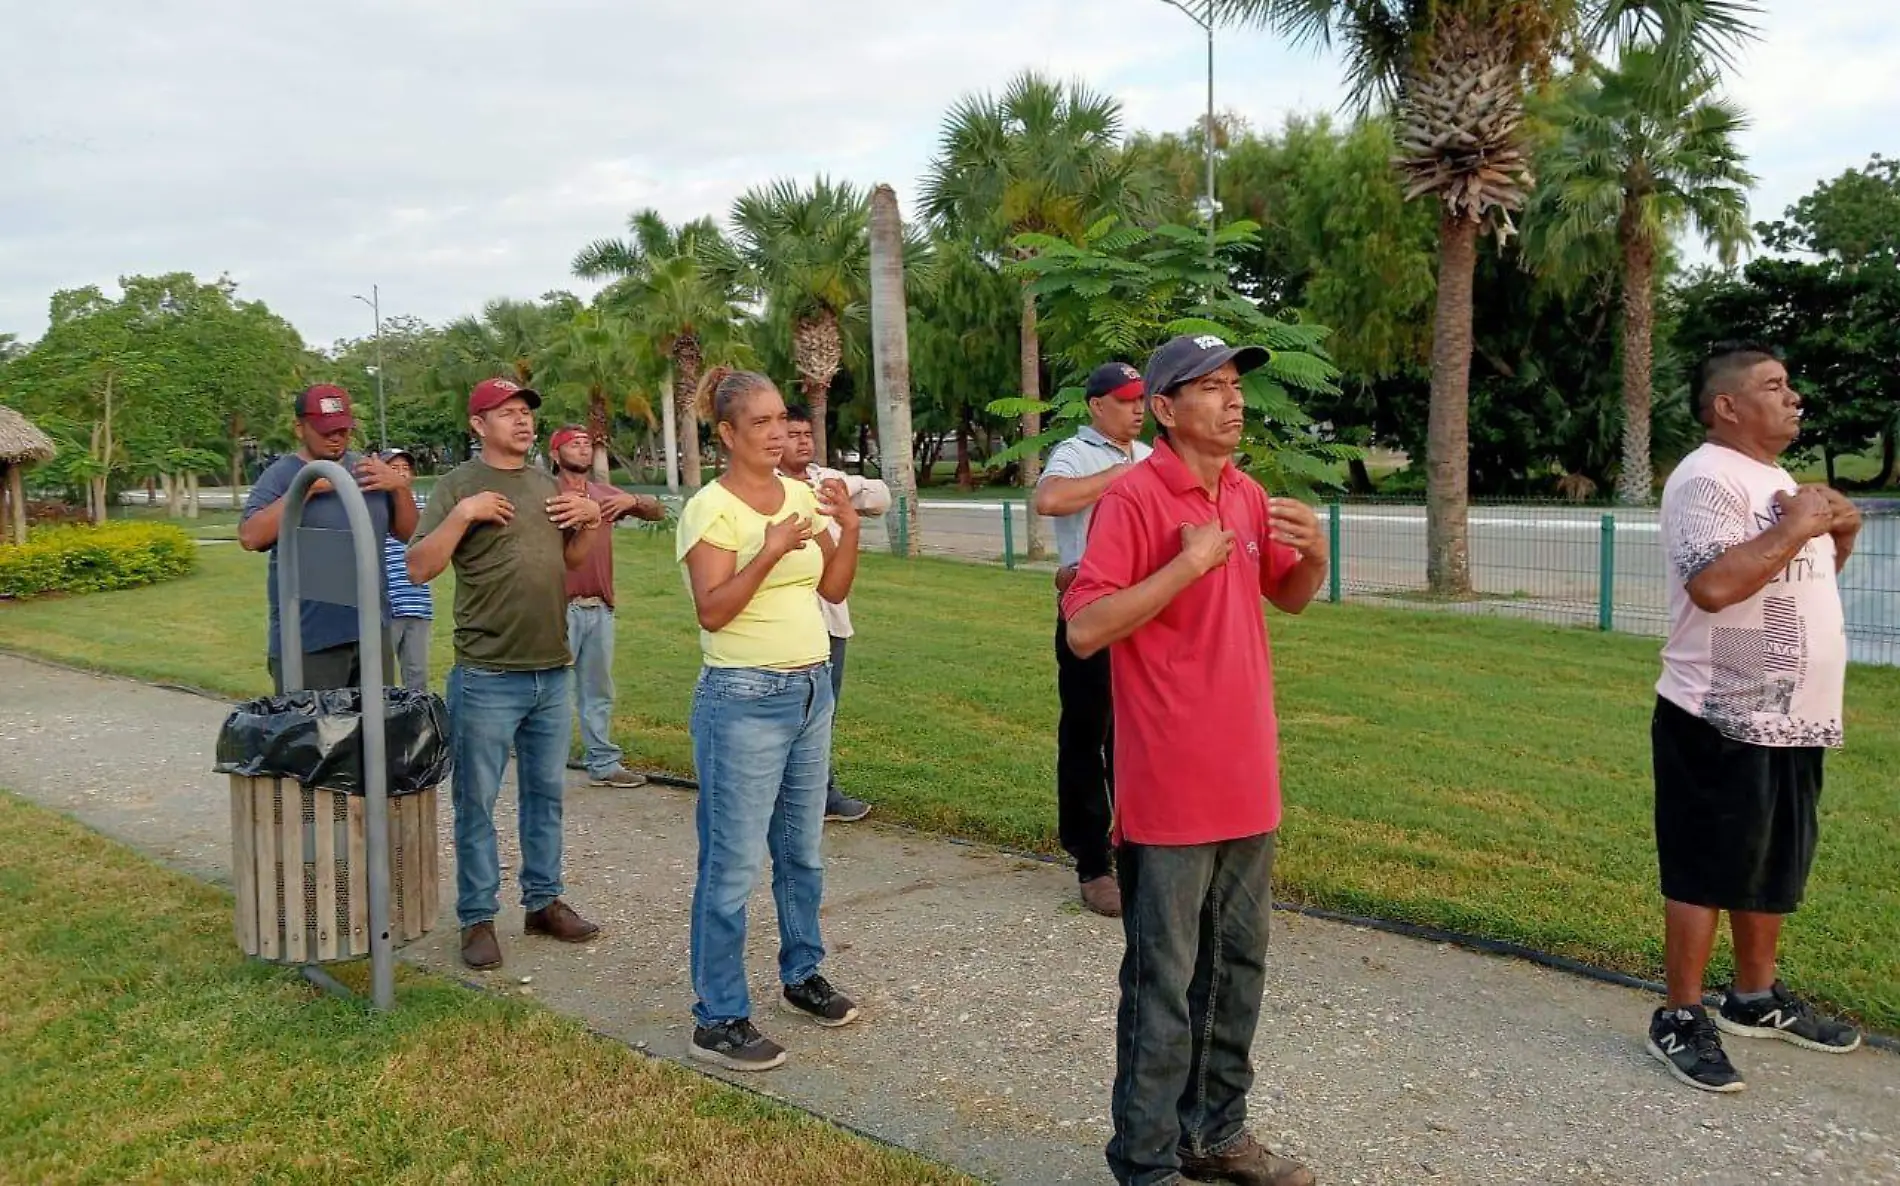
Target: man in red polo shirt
column 1181, row 551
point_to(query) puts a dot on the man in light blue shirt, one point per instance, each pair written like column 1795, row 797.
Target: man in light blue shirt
column 1079, row 472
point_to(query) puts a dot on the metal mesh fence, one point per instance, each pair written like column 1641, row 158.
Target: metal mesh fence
column 1558, row 562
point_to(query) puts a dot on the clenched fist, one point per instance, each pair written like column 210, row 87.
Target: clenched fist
column 1205, row 546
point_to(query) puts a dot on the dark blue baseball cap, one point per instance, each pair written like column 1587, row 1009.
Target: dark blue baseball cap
column 1188, row 357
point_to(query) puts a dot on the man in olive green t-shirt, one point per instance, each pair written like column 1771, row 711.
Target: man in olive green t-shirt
column 512, row 534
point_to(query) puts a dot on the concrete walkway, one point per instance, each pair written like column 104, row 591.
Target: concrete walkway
column 989, row 1000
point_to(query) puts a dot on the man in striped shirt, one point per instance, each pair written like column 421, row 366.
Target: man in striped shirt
column 411, row 612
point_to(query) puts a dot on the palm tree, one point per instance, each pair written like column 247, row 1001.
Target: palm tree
column 596, row 356
column 1643, row 154
column 675, row 291
column 1456, row 73
column 809, row 252
column 1043, row 157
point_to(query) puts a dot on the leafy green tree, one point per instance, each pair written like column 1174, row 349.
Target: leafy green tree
column 171, row 374
column 1124, row 290
column 808, row 250
column 1456, row 74
column 963, row 353
column 676, row 286
column 1643, row 154
column 594, row 361
column 1042, row 158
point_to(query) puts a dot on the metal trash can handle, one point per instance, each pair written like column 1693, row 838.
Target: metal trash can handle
column 369, row 632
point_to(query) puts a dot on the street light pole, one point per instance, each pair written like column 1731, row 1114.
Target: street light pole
column 1205, row 19
column 375, row 303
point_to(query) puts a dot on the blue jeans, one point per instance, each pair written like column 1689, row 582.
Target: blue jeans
column 490, row 712
column 762, row 746
column 1195, row 918
column 590, row 635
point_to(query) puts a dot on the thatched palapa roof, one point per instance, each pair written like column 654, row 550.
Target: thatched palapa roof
column 20, row 442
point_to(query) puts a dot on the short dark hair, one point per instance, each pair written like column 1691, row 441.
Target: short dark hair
column 1720, row 367
column 798, row 413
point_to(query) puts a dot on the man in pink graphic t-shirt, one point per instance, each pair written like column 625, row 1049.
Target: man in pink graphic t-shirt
column 1748, row 704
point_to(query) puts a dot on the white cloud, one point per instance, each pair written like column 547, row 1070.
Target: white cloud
column 455, row 151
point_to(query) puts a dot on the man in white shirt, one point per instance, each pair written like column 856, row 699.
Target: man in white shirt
column 1079, row 472
column 871, row 497
column 1748, row 705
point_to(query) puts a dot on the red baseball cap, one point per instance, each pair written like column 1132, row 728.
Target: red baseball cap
column 1116, row 380
column 325, row 408
column 490, row 394
column 565, row 434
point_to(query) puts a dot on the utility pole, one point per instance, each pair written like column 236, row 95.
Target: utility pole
column 1209, row 207
column 375, row 303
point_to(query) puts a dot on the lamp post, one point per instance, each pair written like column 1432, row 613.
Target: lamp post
column 1205, row 19
column 375, row 302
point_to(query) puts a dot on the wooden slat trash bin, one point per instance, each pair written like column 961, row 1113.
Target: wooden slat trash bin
column 301, row 868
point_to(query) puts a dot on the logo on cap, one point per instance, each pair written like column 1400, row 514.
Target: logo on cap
column 1129, row 372
column 329, row 405
column 504, row 385
column 1209, row 342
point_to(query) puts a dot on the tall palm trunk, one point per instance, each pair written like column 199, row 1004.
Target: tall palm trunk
column 818, row 351
column 686, row 363
column 1032, row 424
column 890, row 357
column 1636, row 482
column 597, row 429
column 1447, row 443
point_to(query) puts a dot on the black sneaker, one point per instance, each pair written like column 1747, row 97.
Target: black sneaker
column 1786, row 1016
column 1685, row 1041
column 736, row 1046
column 816, row 999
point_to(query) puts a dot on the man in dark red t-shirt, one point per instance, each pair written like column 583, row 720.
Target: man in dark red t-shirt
column 1181, row 551
column 590, row 608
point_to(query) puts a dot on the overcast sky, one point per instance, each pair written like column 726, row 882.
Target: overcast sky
column 455, row 150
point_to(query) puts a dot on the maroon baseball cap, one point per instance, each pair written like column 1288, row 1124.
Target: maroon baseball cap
column 325, row 408
column 490, row 394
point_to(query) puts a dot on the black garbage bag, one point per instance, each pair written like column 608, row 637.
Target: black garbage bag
column 317, row 739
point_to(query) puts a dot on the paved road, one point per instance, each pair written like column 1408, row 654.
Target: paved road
column 988, row 1036
column 1538, row 562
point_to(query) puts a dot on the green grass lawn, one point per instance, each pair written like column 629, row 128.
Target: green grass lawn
column 1480, row 774
column 139, row 1045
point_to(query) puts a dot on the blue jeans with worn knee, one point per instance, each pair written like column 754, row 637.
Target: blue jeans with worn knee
column 491, row 712
column 590, row 635
column 762, row 747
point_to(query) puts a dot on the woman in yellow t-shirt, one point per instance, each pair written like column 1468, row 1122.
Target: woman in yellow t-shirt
column 758, row 553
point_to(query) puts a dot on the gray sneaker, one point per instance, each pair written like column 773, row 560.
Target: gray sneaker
column 619, row 776
column 844, row 809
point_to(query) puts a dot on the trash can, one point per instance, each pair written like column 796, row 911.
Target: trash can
column 300, row 859
column 301, row 869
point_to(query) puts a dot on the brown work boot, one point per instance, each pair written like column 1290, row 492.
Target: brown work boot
column 1103, row 896
column 480, row 949
column 557, row 920
column 1246, row 1163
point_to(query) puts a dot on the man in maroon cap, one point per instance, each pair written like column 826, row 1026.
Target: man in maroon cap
column 513, row 535
column 1079, row 472
column 1183, row 549
column 590, row 608
column 328, row 632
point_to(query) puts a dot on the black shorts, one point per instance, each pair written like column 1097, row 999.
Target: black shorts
column 1735, row 823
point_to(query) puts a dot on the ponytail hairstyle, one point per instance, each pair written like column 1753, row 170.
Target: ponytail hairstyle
column 722, row 391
